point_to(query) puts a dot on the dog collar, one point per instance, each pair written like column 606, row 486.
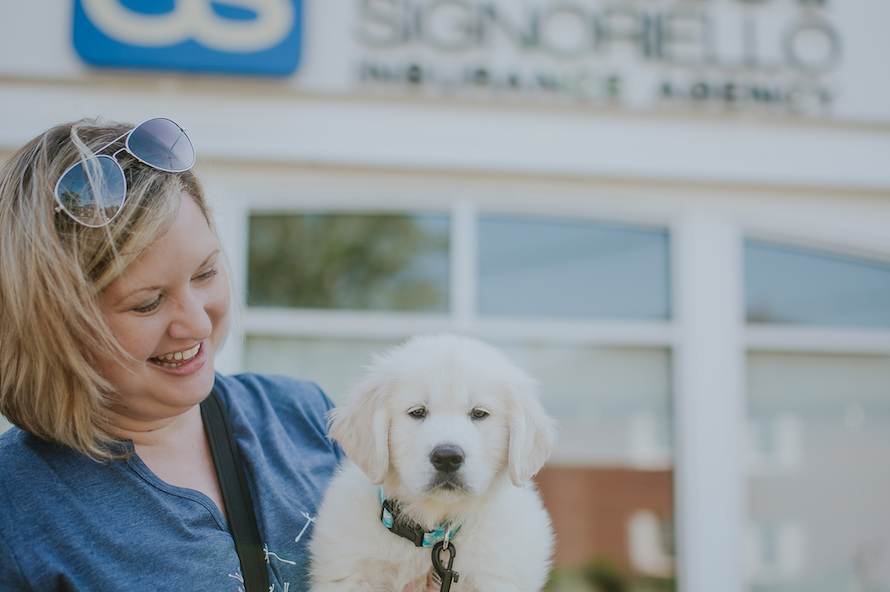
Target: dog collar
column 392, row 518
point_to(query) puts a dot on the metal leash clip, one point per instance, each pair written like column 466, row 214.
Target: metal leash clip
column 442, row 575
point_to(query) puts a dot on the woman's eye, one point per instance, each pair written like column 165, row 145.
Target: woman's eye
column 417, row 412
column 149, row 307
column 208, row 274
column 479, row 413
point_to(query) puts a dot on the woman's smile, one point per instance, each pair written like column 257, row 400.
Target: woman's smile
column 177, row 359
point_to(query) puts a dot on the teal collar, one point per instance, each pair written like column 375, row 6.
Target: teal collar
column 392, row 518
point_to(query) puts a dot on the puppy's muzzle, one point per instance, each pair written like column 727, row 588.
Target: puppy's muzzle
column 447, row 458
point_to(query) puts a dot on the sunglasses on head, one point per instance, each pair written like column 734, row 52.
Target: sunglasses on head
column 93, row 190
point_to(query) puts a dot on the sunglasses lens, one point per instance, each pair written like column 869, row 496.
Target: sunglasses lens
column 162, row 144
column 92, row 192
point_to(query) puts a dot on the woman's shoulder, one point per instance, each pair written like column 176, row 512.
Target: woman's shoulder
column 34, row 470
column 20, row 452
column 13, row 451
column 25, row 458
column 270, row 384
column 262, row 397
column 279, row 418
column 275, row 389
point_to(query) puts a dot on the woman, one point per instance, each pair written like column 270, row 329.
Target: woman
column 114, row 300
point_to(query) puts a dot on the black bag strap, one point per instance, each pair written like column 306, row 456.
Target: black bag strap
column 236, row 495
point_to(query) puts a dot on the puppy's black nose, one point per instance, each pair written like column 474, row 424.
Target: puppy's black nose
column 447, row 457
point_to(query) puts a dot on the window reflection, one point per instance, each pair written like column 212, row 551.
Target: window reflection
column 563, row 268
column 397, row 262
column 798, row 286
column 334, row 364
column 609, row 483
column 819, row 474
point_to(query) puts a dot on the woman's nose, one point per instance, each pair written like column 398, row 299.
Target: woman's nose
column 191, row 320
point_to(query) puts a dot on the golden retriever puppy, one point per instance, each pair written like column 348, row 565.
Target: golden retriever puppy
column 444, row 434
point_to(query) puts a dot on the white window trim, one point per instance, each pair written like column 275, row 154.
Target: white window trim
column 817, row 340
column 708, row 402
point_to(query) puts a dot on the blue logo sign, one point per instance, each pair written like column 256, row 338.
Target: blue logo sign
column 260, row 37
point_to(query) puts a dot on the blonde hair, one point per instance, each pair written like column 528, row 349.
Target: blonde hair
column 52, row 331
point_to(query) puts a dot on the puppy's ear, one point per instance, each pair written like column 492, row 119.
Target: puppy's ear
column 361, row 427
column 532, row 433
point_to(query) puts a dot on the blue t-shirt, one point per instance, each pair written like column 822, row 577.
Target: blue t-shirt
column 71, row 523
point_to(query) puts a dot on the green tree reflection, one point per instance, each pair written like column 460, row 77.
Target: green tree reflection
column 349, row 261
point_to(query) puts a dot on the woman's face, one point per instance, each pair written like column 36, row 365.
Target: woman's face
column 169, row 312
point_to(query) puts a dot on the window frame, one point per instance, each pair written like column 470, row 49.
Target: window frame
column 707, row 334
column 767, row 338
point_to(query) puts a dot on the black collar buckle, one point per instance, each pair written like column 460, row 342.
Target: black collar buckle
column 401, row 525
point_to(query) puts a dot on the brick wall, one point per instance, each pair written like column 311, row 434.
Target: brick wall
column 591, row 508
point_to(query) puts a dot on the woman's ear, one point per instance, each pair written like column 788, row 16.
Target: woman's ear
column 361, row 427
column 532, row 434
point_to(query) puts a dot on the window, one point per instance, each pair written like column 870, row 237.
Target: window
column 804, row 287
column 375, row 278
column 563, row 268
column 818, row 491
column 818, row 423
column 609, row 484
column 349, row 261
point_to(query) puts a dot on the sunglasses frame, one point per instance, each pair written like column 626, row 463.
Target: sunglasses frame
column 97, row 154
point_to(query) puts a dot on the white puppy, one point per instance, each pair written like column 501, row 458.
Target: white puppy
column 449, row 432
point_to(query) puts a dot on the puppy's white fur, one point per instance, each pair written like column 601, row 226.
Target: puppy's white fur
column 431, row 391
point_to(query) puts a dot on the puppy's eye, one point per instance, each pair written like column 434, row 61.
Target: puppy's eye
column 478, row 413
column 417, row 412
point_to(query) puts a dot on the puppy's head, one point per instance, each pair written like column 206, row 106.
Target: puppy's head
column 446, row 417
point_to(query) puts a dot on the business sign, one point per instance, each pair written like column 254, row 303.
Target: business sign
column 776, row 55
column 255, row 37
